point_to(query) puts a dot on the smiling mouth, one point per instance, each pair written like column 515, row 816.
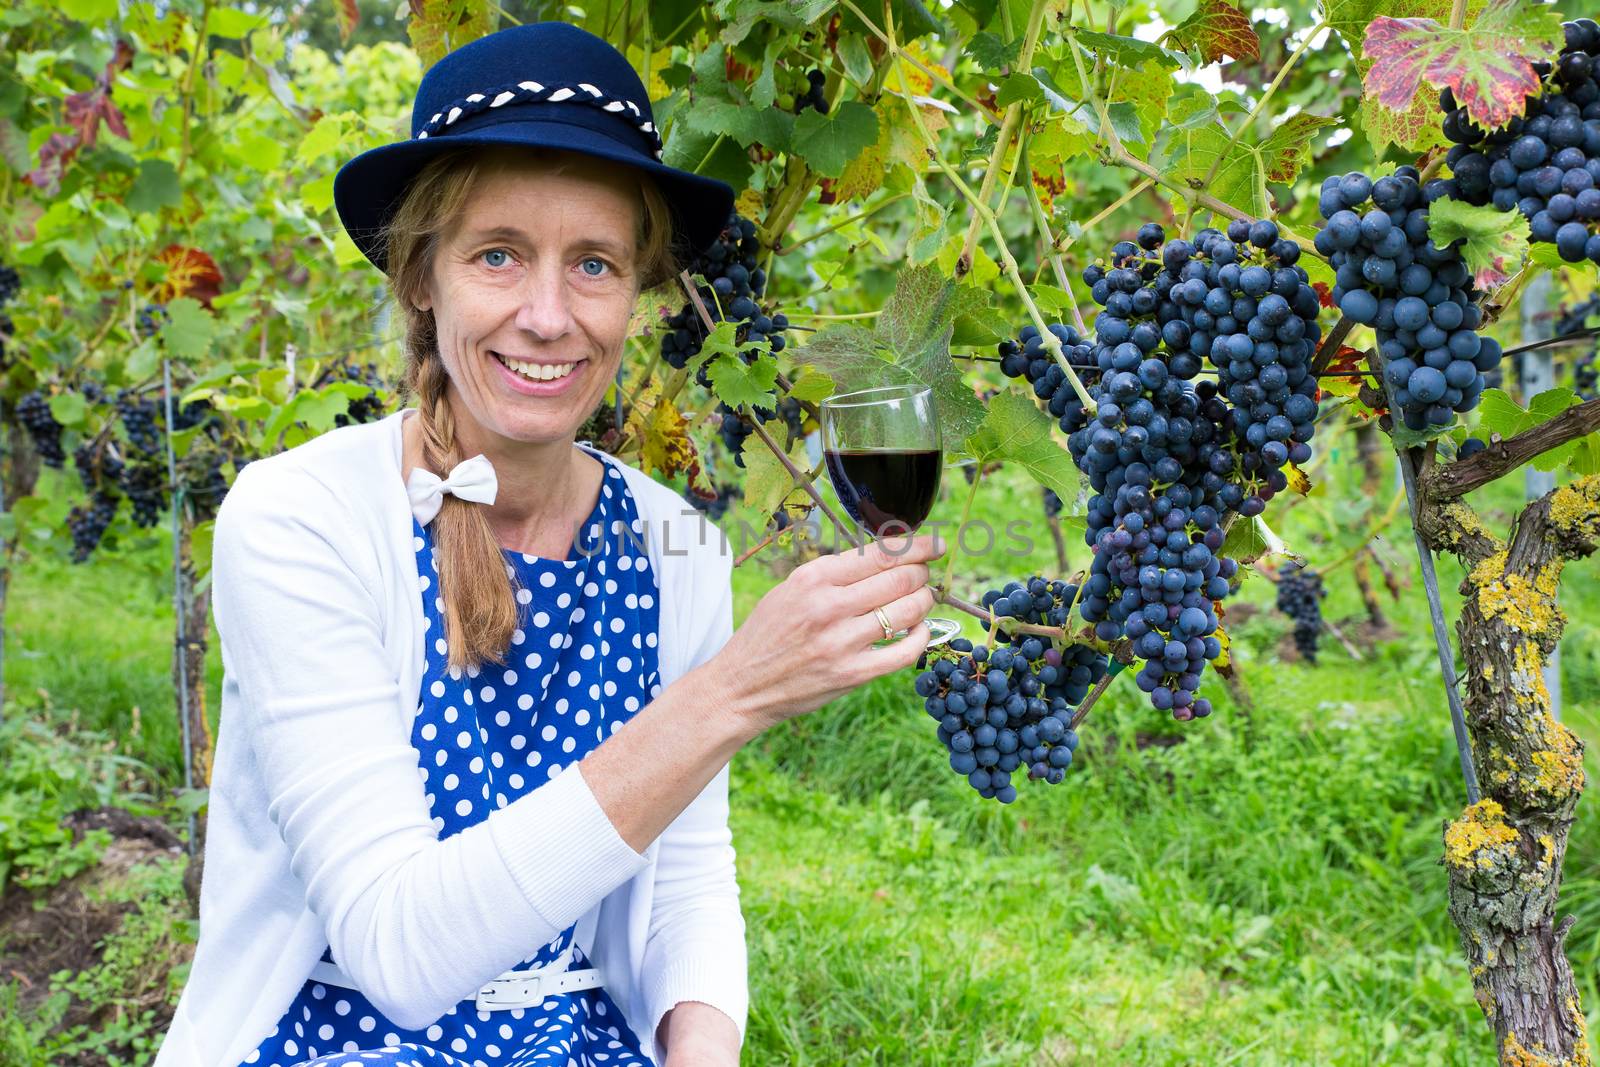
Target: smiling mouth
column 536, row 372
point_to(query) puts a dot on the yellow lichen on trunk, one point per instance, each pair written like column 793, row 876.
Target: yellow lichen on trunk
column 1523, row 604
column 1575, row 508
column 1514, row 1054
column 1480, row 838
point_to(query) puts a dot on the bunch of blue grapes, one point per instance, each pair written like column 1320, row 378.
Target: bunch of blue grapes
column 139, row 417
column 1052, row 502
column 10, row 286
column 1171, row 458
column 1037, row 600
column 735, row 428
column 144, row 482
column 33, row 411
column 362, row 408
column 151, row 318
column 1028, row 358
column 735, row 282
column 1011, row 707
column 1300, row 596
column 1263, row 362
column 1237, row 300
column 87, row 523
column 1546, row 162
column 814, row 97
column 1416, row 296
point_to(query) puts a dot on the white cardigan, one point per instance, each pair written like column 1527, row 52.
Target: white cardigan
column 319, row 831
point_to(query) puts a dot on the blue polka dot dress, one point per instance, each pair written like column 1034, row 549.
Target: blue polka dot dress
column 581, row 664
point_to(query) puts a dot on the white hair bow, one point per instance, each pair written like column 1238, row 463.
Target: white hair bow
column 472, row 479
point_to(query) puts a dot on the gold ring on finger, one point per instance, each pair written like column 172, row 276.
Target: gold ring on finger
column 883, row 620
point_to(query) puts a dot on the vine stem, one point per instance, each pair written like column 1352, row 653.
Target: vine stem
column 186, row 90
column 1013, row 274
column 1041, row 223
column 1008, row 129
column 1283, row 72
column 990, row 619
column 1089, row 701
column 805, row 483
column 1458, row 14
column 966, row 512
column 780, row 249
column 757, row 547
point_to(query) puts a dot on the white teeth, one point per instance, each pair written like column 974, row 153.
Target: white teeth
column 537, row 372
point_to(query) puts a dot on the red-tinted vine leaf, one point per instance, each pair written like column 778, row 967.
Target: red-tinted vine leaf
column 54, row 155
column 347, row 14
column 85, row 111
column 1218, row 30
column 1488, row 66
column 190, row 272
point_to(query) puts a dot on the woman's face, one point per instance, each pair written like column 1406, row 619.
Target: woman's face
column 531, row 293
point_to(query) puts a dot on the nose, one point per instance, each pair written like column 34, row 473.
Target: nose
column 544, row 307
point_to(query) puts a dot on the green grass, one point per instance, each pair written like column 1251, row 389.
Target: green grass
column 1265, row 891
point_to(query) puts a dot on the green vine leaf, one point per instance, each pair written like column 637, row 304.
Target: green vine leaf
column 1251, row 539
column 1015, row 430
column 850, row 358
column 189, row 329
column 1218, row 30
column 1244, row 170
column 736, row 382
column 829, row 142
column 1489, row 66
column 1128, row 51
column 68, row 408
column 1504, row 416
column 1496, row 240
column 813, row 386
column 992, row 54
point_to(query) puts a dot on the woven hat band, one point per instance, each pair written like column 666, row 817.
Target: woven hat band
column 530, row 91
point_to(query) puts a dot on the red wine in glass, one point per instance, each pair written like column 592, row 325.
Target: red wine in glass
column 884, row 459
column 886, row 491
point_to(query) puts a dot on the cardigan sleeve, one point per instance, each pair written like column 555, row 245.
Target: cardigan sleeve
column 417, row 923
column 695, row 947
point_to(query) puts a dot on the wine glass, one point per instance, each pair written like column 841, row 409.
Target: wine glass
column 884, row 459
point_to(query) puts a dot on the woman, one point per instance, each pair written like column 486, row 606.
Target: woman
column 419, row 849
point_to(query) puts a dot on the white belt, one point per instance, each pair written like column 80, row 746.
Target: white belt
column 513, row 989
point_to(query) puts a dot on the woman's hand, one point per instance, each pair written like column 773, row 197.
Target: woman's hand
column 809, row 639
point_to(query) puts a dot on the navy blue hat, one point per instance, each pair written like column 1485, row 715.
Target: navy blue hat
column 546, row 85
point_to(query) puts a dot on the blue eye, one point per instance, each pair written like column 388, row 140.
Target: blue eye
column 494, row 252
column 598, row 262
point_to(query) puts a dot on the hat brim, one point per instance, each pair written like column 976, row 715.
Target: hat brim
column 367, row 189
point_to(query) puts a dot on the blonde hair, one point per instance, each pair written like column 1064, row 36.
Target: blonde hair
column 480, row 609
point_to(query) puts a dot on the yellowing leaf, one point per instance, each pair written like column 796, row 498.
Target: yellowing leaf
column 666, row 446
